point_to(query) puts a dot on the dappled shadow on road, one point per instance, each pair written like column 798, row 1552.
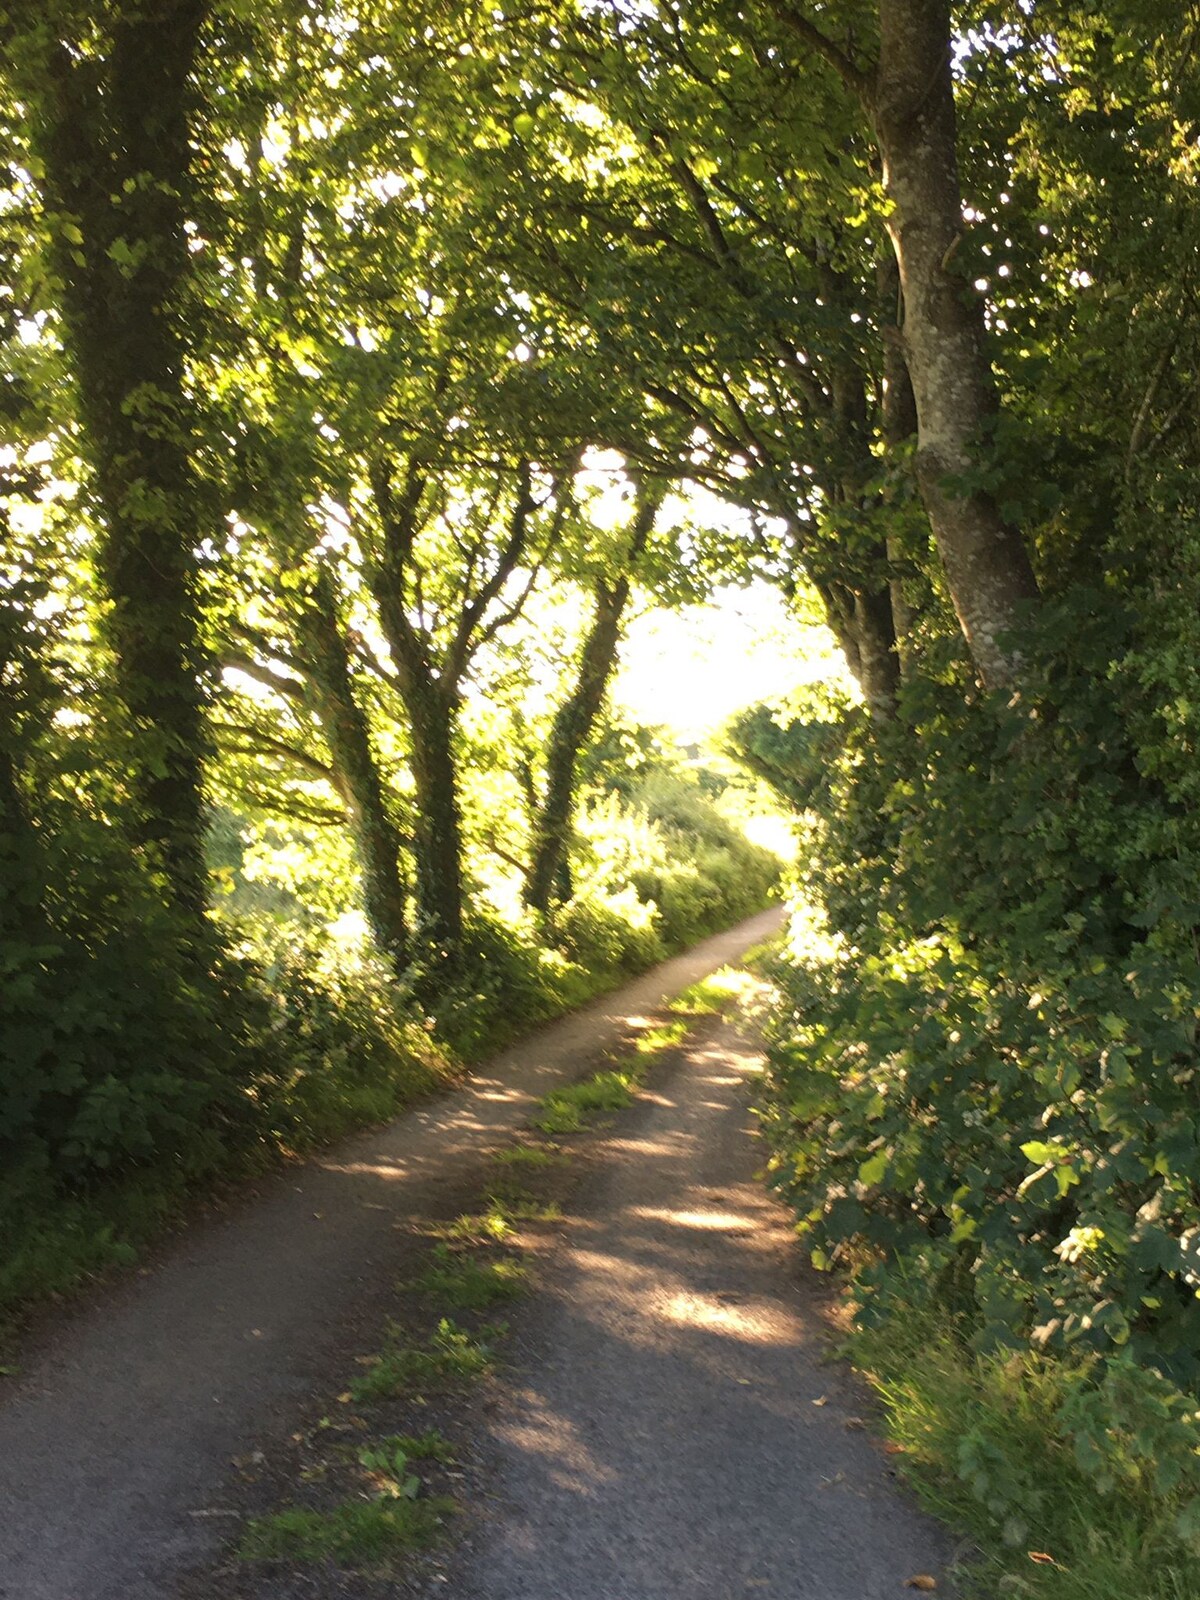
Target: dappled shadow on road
column 671, row 1431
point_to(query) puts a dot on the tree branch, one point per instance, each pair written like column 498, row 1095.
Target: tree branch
column 862, row 83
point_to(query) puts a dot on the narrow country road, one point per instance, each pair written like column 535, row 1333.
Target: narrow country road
column 127, row 1416
column 669, row 1426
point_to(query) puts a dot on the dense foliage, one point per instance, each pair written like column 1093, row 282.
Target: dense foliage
column 983, row 1087
column 335, row 342
column 300, row 804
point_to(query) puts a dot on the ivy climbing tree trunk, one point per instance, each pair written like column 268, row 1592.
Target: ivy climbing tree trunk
column 323, row 658
column 869, row 608
column 111, row 125
column 576, row 716
column 432, row 715
column 912, row 98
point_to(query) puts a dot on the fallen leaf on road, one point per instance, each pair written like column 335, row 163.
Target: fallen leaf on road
column 823, row 1401
column 854, row 1422
column 922, row 1581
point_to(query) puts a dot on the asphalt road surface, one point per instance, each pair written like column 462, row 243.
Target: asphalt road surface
column 670, row 1425
column 127, row 1414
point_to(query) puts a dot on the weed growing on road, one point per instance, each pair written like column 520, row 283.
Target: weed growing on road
column 565, row 1110
column 714, row 996
column 531, row 1156
column 477, row 1228
column 668, row 1037
column 356, row 1533
column 431, row 1445
column 515, row 1204
column 451, row 1356
column 467, row 1284
column 389, row 1469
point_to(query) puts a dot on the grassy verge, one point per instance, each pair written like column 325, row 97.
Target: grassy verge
column 998, row 1447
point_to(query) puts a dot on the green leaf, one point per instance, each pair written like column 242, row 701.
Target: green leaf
column 872, row 1170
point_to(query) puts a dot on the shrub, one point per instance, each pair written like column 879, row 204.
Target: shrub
column 981, row 1092
column 684, row 861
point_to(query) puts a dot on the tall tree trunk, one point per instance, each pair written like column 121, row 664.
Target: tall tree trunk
column 861, row 621
column 431, row 715
column 432, row 711
column 576, row 717
column 112, row 131
column 987, row 567
column 866, row 605
column 878, row 660
column 899, row 429
column 325, row 663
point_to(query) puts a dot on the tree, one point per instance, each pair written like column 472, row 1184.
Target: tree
column 908, row 93
column 111, row 98
column 730, row 291
column 576, row 716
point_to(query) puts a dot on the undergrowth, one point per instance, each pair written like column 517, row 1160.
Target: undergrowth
column 981, row 1102
column 1073, row 1486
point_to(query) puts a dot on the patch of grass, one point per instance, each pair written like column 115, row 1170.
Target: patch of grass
column 531, row 1156
column 664, row 1038
column 354, row 1534
column 987, row 1444
column 428, row 1446
column 566, row 1110
column 477, row 1227
column 451, row 1356
column 516, row 1205
column 716, row 995
column 470, row 1284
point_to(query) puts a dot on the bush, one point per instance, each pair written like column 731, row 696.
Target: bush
column 684, row 861
column 981, row 1092
column 612, row 933
column 335, row 1044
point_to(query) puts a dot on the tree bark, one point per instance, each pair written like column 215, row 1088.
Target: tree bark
column 576, row 717
column 987, row 567
column 113, row 135
column 866, row 605
column 431, row 708
column 432, row 715
column 431, row 705
column 325, row 663
column 898, row 424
